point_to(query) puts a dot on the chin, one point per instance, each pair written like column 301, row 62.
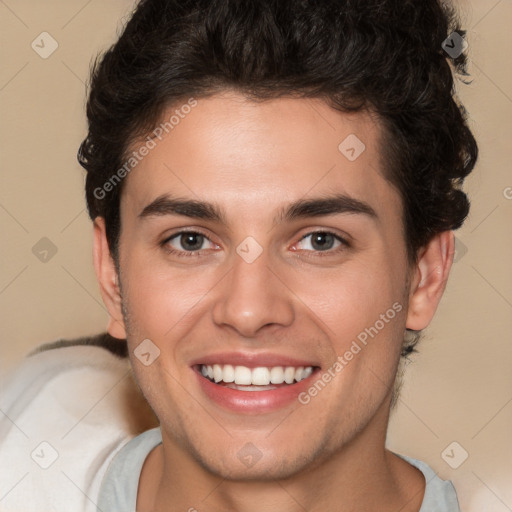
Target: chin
column 249, row 464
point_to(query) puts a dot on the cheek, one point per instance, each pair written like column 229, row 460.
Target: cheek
column 350, row 298
column 159, row 297
column 365, row 314
column 362, row 311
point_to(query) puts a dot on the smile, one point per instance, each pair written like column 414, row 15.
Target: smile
column 254, row 379
column 255, row 389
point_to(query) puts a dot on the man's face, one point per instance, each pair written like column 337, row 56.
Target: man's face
column 257, row 288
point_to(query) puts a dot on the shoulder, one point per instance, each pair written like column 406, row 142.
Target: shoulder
column 65, row 411
column 440, row 495
column 120, row 485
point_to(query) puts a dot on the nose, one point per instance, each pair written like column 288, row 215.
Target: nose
column 251, row 297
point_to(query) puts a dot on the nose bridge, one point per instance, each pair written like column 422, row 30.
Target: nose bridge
column 252, row 296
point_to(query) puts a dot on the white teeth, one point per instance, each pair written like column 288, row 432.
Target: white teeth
column 217, row 373
column 228, row 374
column 250, row 388
column 261, row 376
column 307, row 372
column 289, row 374
column 277, row 375
column 243, row 375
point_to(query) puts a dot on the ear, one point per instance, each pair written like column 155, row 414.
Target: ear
column 430, row 276
column 108, row 280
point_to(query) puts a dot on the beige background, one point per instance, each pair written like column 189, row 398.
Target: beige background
column 459, row 388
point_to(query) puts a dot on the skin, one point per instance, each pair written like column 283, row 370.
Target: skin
column 252, row 160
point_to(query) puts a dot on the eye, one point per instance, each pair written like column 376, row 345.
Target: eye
column 322, row 241
column 187, row 242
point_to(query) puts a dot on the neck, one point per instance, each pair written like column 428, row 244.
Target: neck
column 362, row 475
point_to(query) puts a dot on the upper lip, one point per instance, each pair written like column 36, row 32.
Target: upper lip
column 252, row 360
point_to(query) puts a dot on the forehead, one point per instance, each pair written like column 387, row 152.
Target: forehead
column 255, row 156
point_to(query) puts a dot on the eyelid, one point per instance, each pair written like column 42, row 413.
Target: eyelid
column 344, row 241
column 181, row 231
column 165, row 243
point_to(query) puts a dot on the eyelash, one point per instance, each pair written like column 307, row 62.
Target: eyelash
column 182, row 254
column 344, row 244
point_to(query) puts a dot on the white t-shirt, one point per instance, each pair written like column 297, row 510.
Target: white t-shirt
column 64, row 413
column 75, row 431
column 118, row 491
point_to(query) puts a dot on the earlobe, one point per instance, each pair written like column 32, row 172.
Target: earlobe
column 429, row 280
column 106, row 274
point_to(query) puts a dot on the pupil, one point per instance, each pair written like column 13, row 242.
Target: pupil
column 191, row 241
column 322, row 241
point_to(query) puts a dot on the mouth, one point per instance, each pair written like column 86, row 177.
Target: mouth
column 261, row 378
column 253, row 389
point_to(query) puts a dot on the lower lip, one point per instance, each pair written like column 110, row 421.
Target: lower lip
column 253, row 401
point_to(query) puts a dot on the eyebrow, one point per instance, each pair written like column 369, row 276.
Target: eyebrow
column 302, row 208
column 331, row 205
column 166, row 205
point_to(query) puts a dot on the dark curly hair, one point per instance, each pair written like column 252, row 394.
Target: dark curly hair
column 385, row 56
